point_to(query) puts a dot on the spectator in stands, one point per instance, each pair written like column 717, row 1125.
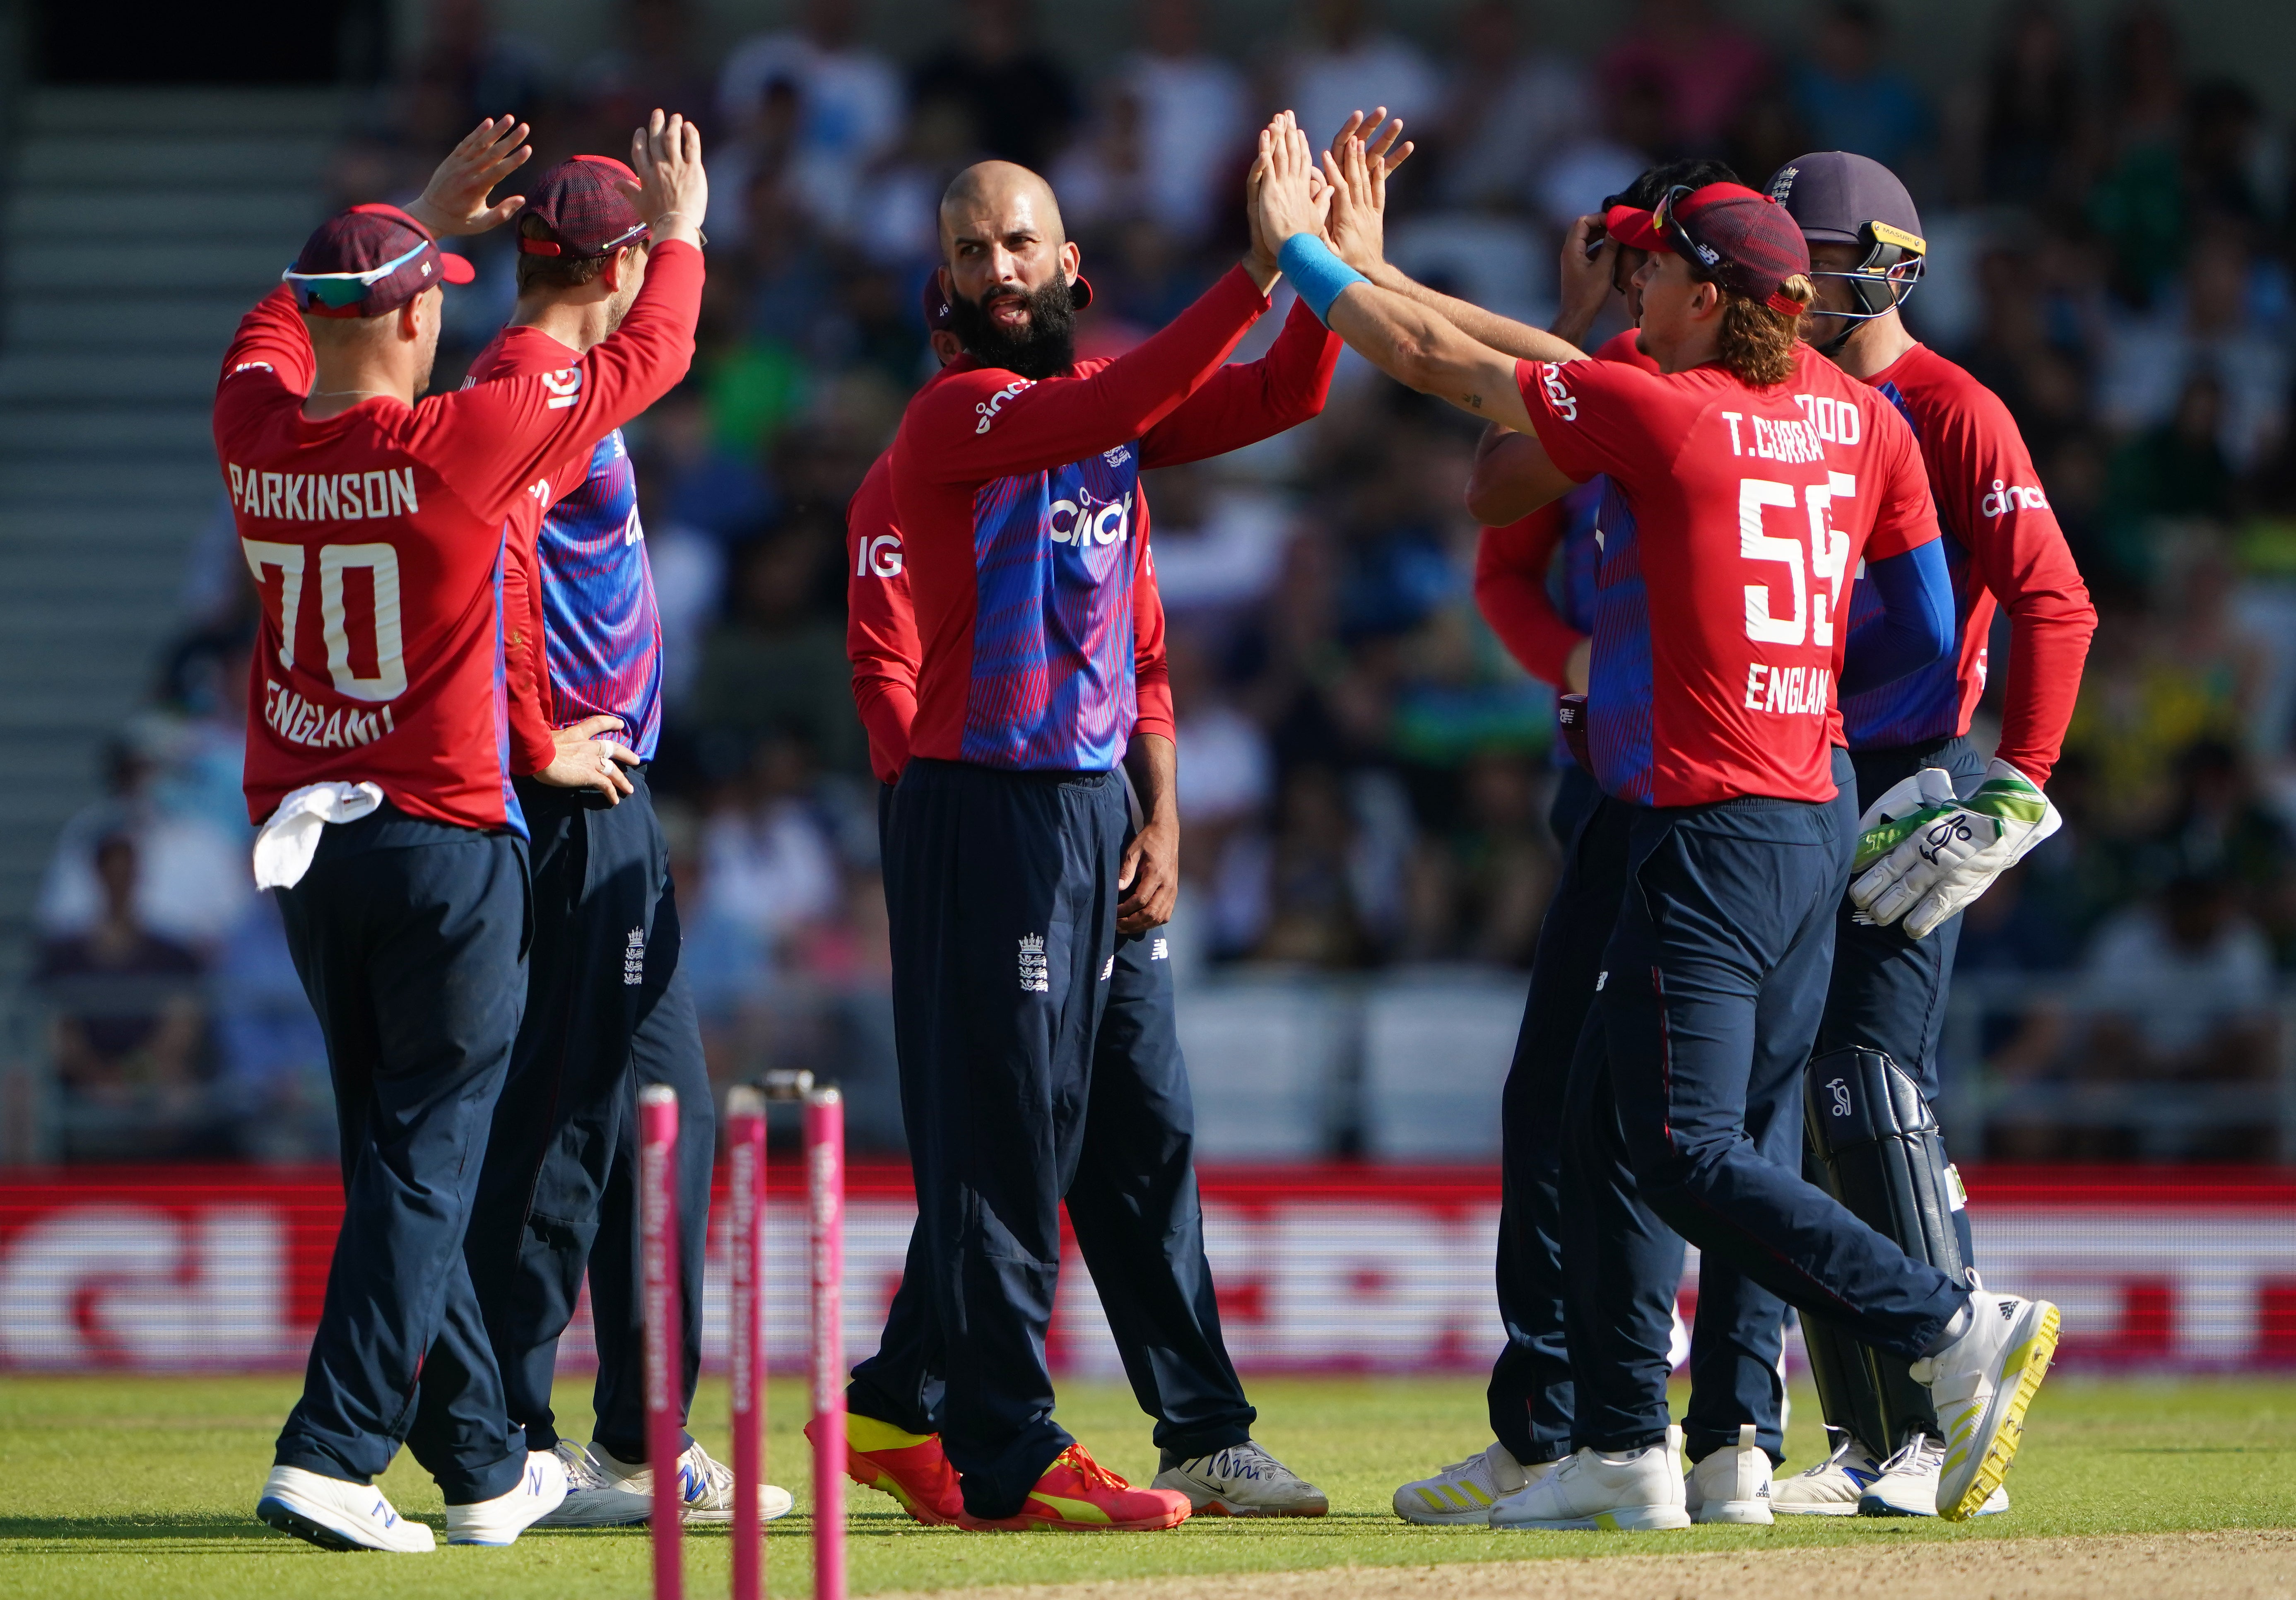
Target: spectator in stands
column 1315, row 894
column 1707, row 72
column 271, row 1059
column 1847, row 99
column 2210, row 328
column 192, row 879
column 1480, row 887
column 779, row 665
column 1352, row 65
column 1192, row 116
column 1021, row 102
column 847, row 100
column 126, row 1024
column 1219, row 547
column 2221, row 829
column 2032, row 128
column 2181, row 992
column 1507, row 110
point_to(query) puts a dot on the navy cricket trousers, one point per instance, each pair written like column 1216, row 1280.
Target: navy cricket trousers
column 1139, row 1227
column 410, row 938
column 606, row 1012
column 1530, row 1392
column 1717, row 977
column 1001, row 890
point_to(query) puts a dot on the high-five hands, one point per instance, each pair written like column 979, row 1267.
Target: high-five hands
column 1260, row 262
column 673, row 192
column 453, row 202
column 1287, row 191
column 1356, row 172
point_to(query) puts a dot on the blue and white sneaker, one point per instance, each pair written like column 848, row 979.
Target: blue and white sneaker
column 337, row 1514
column 704, row 1484
column 1909, row 1484
column 593, row 1499
column 540, row 1490
column 1833, row 1487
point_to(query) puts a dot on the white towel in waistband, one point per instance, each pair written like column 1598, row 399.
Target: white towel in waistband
column 284, row 848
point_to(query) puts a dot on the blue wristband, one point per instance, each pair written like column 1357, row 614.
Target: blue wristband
column 1319, row 276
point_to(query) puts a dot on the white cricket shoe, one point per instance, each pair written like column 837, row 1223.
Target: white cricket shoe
column 706, row 1485
column 1732, row 1485
column 1909, row 1484
column 593, row 1499
column 1463, row 1493
column 1632, row 1493
column 1981, row 1384
column 540, row 1490
column 335, row 1513
column 1832, row 1488
column 1242, row 1481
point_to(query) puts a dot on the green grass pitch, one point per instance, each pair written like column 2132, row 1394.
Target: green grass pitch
column 144, row 1488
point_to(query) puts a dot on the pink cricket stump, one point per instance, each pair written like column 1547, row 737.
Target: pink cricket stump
column 824, row 1159
column 745, row 1135
column 665, row 1331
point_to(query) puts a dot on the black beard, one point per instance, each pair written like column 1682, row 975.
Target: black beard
column 1045, row 349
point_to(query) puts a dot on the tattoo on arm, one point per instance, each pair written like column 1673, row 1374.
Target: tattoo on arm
column 1475, row 400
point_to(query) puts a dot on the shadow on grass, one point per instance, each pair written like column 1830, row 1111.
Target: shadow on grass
column 191, row 1532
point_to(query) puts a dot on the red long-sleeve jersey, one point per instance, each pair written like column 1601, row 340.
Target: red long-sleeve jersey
column 1238, row 405
column 2001, row 541
column 1015, row 499
column 378, row 540
column 1511, row 564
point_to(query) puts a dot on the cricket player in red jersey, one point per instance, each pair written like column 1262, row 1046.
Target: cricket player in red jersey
column 1944, row 822
column 1133, row 1203
column 1753, row 479
column 1536, row 575
column 1008, row 876
column 377, row 764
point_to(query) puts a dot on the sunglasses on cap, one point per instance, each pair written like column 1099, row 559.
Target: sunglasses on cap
column 337, row 290
column 642, row 234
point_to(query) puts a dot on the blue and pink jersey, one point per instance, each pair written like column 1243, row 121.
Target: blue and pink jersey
column 593, row 606
column 1021, row 529
column 2001, row 540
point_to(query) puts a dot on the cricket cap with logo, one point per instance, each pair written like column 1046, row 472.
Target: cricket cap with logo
column 1838, row 198
column 584, row 209
column 368, row 261
column 1742, row 241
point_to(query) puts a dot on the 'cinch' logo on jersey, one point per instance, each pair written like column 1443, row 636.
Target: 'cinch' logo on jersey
column 1550, row 376
column 995, row 402
column 1086, row 520
column 2019, row 497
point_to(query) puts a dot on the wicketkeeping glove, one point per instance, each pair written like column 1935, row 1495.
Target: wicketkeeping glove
column 1922, row 854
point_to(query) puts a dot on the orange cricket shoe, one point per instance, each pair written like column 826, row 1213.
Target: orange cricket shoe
column 1077, row 1494
column 911, row 1467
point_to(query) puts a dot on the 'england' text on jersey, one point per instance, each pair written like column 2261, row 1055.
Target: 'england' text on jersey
column 322, row 497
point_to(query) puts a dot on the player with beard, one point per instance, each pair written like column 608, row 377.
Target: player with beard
column 1012, row 861
column 1134, row 1204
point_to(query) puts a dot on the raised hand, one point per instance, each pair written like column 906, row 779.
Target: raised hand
column 1383, row 149
column 1357, row 175
column 453, row 202
column 673, row 189
column 1284, row 196
column 1584, row 278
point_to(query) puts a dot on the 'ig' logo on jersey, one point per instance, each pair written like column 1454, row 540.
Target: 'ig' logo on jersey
column 1086, row 520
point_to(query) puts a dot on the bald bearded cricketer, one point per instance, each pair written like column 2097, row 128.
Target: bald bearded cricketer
column 1008, row 870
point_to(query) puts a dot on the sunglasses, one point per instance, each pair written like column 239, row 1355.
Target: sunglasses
column 1703, row 256
column 337, row 290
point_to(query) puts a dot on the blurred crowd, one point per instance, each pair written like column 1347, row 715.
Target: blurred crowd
column 1364, row 770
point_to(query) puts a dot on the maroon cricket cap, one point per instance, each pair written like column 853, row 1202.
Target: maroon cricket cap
column 938, row 312
column 1743, row 240
column 368, row 261
column 584, row 207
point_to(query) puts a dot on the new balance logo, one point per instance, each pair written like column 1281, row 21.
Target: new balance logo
column 1602, row 978
column 1162, row 950
column 1108, row 970
column 633, row 958
column 1036, row 969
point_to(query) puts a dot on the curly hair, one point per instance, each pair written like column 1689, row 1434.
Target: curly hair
column 1756, row 343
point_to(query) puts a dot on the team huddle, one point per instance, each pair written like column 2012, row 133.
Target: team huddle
column 1757, row 541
